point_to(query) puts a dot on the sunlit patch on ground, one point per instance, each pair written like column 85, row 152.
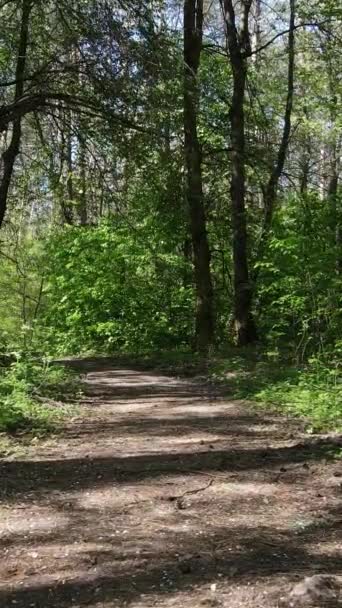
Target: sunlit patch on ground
column 159, row 495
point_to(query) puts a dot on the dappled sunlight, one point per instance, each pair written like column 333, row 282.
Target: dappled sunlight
column 42, row 520
column 246, row 489
column 125, row 379
column 170, row 304
column 147, row 502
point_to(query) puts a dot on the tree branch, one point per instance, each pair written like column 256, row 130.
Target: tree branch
column 284, row 33
column 270, row 192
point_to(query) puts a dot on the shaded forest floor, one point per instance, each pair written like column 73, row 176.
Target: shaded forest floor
column 164, row 491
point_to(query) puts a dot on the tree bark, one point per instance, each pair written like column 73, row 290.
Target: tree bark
column 256, row 38
column 271, row 190
column 193, row 32
column 305, row 167
column 238, row 47
column 10, row 154
column 67, row 198
column 82, row 205
column 332, row 191
column 334, row 156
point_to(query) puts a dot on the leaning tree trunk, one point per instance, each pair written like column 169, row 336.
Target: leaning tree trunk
column 271, row 190
column 193, row 28
column 10, row 154
column 238, row 47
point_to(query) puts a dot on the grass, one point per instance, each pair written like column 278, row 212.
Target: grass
column 312, row 391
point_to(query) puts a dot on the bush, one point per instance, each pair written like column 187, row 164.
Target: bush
column 299, row 291
column 28, row 395
column 107, row 291
column 312, row 391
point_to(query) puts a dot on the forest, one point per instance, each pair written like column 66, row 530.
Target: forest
column 170, row 201
column 170, row 183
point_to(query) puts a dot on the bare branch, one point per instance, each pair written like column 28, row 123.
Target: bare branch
column 284, row 33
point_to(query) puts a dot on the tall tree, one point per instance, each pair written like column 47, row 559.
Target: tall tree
column 271, row 189
column 238, row 43
column 11, row 152
column 239, row 50
column 193, row 35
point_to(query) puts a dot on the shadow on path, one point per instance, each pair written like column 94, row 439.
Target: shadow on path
column 137, row 523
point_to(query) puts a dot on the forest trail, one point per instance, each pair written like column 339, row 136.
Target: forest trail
column 165, row 492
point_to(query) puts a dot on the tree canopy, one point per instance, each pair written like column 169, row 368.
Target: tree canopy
column 170, row 174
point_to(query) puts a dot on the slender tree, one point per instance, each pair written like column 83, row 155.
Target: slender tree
column 193, row 33
column 238, row 43
column 271, row 190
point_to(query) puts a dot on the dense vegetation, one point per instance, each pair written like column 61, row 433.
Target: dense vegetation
column 170, row 182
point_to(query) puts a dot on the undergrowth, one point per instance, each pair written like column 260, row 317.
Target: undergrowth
column 312, row 391
column 32, row 393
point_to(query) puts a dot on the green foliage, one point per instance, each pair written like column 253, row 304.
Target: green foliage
column 21, row 282
column 26, row 387
column 312, row 391
column 299, row 286
column 108, row 290
column 126, row 284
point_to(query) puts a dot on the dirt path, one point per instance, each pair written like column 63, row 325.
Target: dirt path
column 166, row 493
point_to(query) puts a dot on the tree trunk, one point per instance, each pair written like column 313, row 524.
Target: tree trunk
column 332, row 192
column 67, row 199
column 82, row 205
column 305, row 153
column 193, row 27
column 10, row 154
column 256, row 38
column 334, row 170
column 271, row 190
column 305, row 167
column 238, row 46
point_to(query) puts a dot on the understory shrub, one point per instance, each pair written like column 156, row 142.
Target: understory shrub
column 314, row 393
column 107, row 291
column 299, row 284
column 29, row 393
column 312, row 390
